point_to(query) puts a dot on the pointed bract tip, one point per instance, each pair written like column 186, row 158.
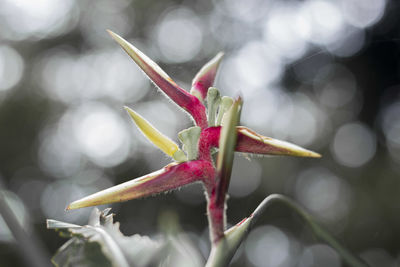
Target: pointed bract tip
column 135, row 116
column 88, row 201
column 252, row 142
column 129, row 110
column 313, row 154
column 204, row 79
column 121, row 41
column 166, row 145
column 218, row 57
column 289, row 149
column 295, row 150
column 110, row 32
column 168, row 178
column 75, row 205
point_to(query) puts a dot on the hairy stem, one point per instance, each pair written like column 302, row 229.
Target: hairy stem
column 216, row 220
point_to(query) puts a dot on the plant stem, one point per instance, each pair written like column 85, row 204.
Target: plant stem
column 217, row 196
column 223, row 251
column 216, row 220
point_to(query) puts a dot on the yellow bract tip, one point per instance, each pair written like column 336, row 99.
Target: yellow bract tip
column 161, row 141
column 275, row 146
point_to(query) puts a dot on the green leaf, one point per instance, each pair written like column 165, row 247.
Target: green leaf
column 53, row 224
column 100, row 243
column 101, row 239
column 78, row 252
column 226, row 248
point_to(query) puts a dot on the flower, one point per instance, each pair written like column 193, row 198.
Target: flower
column 194, row 162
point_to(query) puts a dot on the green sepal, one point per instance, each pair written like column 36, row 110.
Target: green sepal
column 179, row 156
column 190, row 139
column 213, row 101
column 226, row 103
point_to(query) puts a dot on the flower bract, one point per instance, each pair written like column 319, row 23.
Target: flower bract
column 193, row 162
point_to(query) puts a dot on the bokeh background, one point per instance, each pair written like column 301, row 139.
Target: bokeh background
column 322, row 74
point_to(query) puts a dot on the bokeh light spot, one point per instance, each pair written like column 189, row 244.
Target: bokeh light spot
column 179, row 35
column 391, row 129
column 246, row 177
column 339, row 87
column 363, row 13
column 36, row 18
column 56, row 197
column 101, row 134
column 353, row 145
column 319, row 255
column 11, row 67
column 267, row 246
column 284, row 30
column 325, row 19
column 322, row 192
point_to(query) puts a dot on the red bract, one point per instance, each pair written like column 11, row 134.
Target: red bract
column 182, row 98
column 204, row 79
column 170, row 177
column 195, row 163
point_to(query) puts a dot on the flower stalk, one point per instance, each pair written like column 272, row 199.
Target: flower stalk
column 217, row 200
